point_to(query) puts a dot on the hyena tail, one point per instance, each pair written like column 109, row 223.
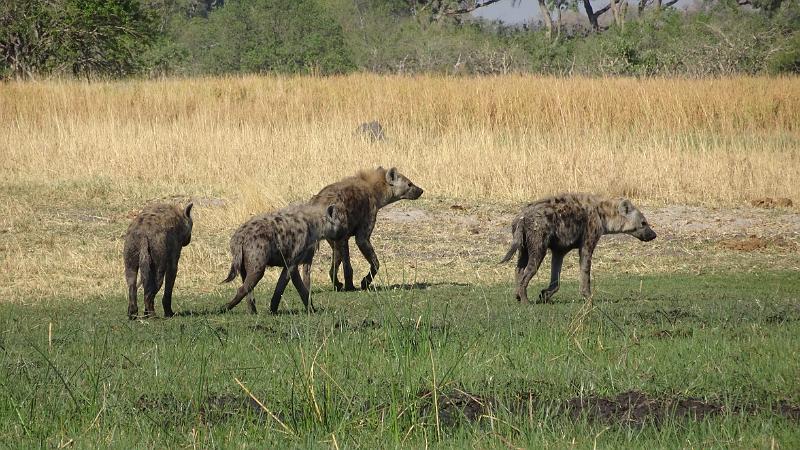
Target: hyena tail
column 518, row 239
column 236, row 264
column 144, row 261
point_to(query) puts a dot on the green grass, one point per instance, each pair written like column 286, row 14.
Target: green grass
column 361, row 370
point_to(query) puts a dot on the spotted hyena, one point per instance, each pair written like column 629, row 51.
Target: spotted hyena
column 359, row 198
column 284, row 238
column 566, row 222
column 152, row 249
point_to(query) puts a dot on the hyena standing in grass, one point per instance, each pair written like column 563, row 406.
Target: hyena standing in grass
column 359, row 198
column 284, row 238
column 152, row 249
column 563, row 223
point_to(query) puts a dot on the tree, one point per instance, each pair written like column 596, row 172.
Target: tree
column 81, row 37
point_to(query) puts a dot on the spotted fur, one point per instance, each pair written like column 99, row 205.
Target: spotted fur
column 152, row 249
column 285, row 238
column 358, row 199
column 566, row 222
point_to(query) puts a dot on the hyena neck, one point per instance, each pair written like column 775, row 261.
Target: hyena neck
column 610, row 219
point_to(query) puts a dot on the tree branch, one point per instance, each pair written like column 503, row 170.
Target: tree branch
column 468, row 8
column 604, row 9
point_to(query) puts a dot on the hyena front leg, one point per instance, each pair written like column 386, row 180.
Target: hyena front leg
column 283, row 280
column 555, row 277
column 297, row 281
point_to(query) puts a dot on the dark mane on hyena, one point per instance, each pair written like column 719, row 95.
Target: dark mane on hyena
column 359, row 198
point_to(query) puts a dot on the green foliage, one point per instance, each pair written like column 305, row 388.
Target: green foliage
column 259, row 36
column 81, row 37
column 196, row 37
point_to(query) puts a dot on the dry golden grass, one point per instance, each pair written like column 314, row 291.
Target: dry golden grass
column 79, row 158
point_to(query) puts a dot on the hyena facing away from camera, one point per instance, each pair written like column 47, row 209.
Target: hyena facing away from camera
column 563, row 223
column 284, row 238
column 152, row 249
column 359, row 198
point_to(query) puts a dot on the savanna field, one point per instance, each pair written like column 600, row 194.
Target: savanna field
column 692, row 340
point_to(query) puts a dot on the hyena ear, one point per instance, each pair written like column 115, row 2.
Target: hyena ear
column 391, row 176
column 331, row 212
column 188, row 211
column 625, row 206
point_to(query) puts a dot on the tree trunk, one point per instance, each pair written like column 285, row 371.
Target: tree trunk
column 558, row 23
column 594, row 15
column 548, row 21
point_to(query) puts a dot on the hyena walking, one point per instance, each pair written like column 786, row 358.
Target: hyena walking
column 563, row 223
column 152, row 249
column 284, row 238
column 359, row 198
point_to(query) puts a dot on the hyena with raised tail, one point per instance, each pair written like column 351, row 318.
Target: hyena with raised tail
column 285, row 238
column 566, row 222
column 152, row 249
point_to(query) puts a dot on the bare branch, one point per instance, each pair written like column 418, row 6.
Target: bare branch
column 603, row 10
column 468, row 8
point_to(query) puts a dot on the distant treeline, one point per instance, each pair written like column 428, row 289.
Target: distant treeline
column 119, row 38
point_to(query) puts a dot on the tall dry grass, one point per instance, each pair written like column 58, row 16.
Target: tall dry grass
column 76, row 156
column 270, row 140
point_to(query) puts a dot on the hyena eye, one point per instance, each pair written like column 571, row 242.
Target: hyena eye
column 644, row 224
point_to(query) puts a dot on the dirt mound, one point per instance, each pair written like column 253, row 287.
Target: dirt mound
column 748, row 244
column 211, row 409
column 637, row 408
column 631, row 408
column 754, row 243
column 769, row 202
column 456, row 405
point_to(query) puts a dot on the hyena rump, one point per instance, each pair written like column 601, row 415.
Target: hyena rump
column 566, row 222
column 359, row 198
column 284, row 238
column 152, row 249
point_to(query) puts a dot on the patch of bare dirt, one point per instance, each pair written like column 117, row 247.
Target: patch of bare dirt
column 212, row 409
column 630, row 408
column 636, row 408
column 769, row 202
column 754, row 243
column 455, row 406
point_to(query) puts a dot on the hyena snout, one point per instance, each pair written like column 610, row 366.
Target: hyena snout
column 645, row 234
column 414, row 192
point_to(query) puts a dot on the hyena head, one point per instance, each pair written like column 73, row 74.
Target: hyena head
column 631, row 221
column 400, row 187
column 186, row 225
column 333, row 228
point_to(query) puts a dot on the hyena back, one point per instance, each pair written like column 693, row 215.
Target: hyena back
column 285, row 238
column 566, row 222
column 152, row 249
column 359, row 198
